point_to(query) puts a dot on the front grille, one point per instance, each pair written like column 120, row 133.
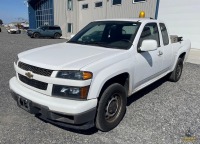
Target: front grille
column 33, row 83
column 34, row 69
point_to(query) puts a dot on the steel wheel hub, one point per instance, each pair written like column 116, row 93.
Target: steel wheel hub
column 112, row 107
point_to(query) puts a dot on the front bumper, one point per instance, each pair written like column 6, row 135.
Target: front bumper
column 29, row 34
column 63, row 112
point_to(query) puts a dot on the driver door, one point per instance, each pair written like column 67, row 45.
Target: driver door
column 44, row 31
column 148, row 64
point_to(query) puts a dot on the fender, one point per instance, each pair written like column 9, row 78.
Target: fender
column 182, row 49
column 109, row 72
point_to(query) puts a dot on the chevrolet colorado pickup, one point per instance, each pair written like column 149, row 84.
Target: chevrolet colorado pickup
column 85, row 82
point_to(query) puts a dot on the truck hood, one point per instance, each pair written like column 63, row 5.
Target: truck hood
column 66, row 56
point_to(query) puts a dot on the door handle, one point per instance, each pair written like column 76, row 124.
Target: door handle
column 160, row 53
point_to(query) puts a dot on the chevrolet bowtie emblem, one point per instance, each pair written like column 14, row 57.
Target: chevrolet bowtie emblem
column 29, row 75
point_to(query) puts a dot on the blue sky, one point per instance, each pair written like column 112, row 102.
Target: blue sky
column 11, row 10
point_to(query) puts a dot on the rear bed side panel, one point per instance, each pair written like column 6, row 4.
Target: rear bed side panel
column 179, row 48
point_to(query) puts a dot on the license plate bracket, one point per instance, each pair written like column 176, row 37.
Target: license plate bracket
column 24, row 103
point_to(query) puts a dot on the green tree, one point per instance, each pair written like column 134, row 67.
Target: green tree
column 1, row 22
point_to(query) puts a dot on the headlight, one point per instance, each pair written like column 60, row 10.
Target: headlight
column 74, row 75
column 70, row 92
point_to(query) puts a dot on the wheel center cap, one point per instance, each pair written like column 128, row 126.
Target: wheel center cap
column 112, row 107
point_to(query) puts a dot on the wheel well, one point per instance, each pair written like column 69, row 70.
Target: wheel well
column 121, row 79
column 57, row 33
column 182, row 55
column 36, row 33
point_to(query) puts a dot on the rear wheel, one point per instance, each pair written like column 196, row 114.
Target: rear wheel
column 57, row 35
column 175, row 75
column 111, row 108
column 36, row 35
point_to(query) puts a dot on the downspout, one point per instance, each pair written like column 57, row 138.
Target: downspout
column 157, row 9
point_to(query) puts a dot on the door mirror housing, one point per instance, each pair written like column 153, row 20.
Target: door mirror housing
column 149, row 45
column 72, row 36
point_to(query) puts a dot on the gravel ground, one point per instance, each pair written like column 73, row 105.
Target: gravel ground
column 161, row 113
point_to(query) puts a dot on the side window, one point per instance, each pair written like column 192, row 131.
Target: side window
column 45, row 28
column 85, row 6
column 150, row 32
column 69, row 5
column 99, row 4
column 69, row 28
column 135, row 1
column 51, row 28
column 116, row 2
column 164, row 34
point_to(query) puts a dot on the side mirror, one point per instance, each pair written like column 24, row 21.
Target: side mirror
column 149, row 45
column 72, row 36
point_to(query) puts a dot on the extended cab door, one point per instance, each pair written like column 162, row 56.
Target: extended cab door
column 148, row 64
column 168, row 56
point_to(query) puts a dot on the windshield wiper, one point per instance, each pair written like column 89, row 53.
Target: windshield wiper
column 101, row 44
column 77, row 42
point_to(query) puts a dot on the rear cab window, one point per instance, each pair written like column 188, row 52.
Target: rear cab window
column 164, row 34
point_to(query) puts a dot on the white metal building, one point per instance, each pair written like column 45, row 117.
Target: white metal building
column 183, row 18
column 72, row 15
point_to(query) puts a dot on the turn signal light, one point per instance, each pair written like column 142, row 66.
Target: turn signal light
column 87, row 75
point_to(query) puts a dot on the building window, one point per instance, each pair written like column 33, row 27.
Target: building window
column 44, row 13
column 135, row 1
column 84, row 6
column 117, row 2
column 98, row 4
column 70, row 28
column 69, row 5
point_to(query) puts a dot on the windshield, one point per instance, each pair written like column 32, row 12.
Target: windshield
column 41, row 27
column 110, row 34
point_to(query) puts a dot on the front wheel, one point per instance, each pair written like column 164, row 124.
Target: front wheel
column 175, row 75
column 36, row 35
column 57, row 35
column 111, row 108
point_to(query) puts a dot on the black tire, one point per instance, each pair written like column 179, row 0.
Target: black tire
column 111, row 107
column 57, row 35
column 36, row 35
column 175, row 75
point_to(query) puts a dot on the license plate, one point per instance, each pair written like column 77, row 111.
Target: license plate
column 24, row 103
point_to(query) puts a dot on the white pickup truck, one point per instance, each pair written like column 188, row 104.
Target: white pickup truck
column 85, row 82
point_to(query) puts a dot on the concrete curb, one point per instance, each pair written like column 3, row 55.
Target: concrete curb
column 194, row 56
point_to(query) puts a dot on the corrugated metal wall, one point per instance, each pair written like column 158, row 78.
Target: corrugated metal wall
column 72, row 17
column 127, row 9
column 183, row 18
column 60, row 15
column 80, row 17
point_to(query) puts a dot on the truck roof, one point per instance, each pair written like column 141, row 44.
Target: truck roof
column 132, row 19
